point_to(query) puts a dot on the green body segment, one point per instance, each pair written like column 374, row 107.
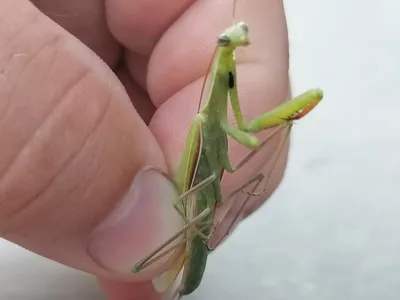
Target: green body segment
column 211, row 128
column 213, row 160
column 196, row 247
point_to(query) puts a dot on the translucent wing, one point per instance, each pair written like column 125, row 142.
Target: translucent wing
column 166, row 279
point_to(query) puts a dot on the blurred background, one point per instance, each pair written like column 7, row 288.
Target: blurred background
column 331, row 231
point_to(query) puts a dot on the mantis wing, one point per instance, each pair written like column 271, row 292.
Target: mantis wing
column 166, row 279
column 184, row 179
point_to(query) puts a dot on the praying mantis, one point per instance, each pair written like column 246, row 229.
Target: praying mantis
column 205, row 159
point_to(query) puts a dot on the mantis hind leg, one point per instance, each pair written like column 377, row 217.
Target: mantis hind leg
column 158, row 253
column 190, row 225
column 275, row 158
column 196, row 221
column 251, row 155
column 184, row 198
column 256, row 181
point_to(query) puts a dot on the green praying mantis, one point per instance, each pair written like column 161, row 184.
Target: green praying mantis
column 205, row 159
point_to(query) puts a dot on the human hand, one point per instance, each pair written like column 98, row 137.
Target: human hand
column 73, row 146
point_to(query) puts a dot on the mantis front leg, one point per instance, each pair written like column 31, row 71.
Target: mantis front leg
column 278, row 118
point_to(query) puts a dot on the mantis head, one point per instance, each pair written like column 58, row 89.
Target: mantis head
column 234, row 36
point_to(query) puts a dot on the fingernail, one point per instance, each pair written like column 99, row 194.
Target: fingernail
column 143, row 219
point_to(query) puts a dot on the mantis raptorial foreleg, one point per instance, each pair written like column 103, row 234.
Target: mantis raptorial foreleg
column 281, row 116
column 276, row 119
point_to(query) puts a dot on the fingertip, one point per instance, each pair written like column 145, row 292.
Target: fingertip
column 138, row 225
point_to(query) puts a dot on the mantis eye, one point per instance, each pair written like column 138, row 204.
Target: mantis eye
column 244, row 27
column 223, row 40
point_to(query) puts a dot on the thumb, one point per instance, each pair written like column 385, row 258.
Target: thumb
column 77, row 164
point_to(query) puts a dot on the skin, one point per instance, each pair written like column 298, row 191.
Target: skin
column 159, row 52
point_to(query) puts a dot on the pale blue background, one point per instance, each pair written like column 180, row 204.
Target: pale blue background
column 331, row 231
